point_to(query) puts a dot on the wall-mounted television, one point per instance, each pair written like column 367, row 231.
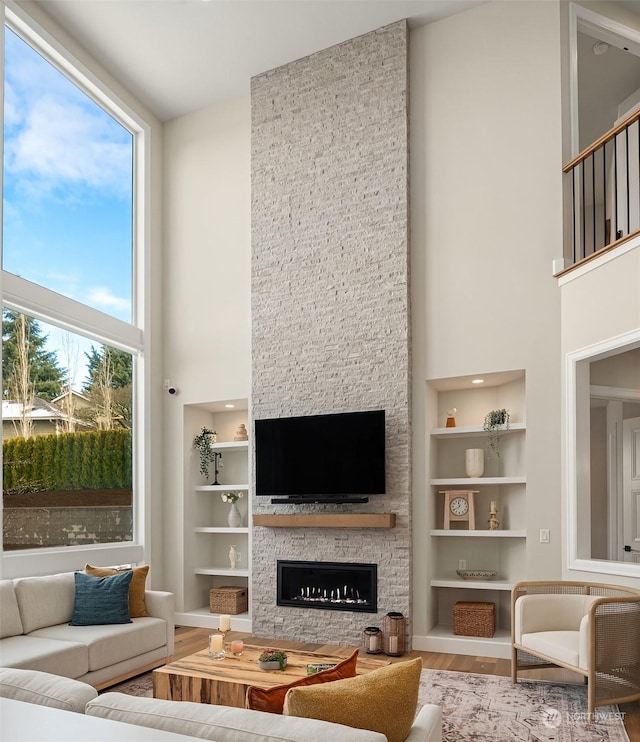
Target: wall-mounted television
column 321, row 458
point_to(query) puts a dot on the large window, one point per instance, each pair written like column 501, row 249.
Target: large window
column 72, row 325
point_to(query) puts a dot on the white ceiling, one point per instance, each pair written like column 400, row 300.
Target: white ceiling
column 177, row 56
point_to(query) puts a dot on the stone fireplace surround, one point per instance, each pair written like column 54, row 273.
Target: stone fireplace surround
column 330, row 303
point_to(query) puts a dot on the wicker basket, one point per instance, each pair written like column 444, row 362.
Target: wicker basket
column 474, row 619
column 228, row 599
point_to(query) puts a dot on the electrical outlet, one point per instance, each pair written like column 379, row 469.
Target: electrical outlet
column 462, row 563
column 544, row 536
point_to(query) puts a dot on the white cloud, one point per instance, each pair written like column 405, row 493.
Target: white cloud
column 101, row 297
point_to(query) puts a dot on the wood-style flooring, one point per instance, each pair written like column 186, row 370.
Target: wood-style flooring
column 190, row 640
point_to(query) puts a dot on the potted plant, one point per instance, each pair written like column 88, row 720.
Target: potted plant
column 272, row 659
column 234, row 518
column 203, row 442
column 495, row 422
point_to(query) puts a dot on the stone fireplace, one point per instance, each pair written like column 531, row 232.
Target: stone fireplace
column 335, row 586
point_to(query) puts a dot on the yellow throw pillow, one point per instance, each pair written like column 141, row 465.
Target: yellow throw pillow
column 383, row 700
column 272, row 699
column 137, row 607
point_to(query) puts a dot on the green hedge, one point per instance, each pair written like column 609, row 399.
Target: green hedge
column 69, row 461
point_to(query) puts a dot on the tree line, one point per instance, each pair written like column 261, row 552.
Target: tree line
column 30, row 372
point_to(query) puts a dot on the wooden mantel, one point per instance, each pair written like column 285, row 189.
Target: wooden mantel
column 327, row 520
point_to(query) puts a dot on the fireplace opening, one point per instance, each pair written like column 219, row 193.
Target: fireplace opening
column 336, row 586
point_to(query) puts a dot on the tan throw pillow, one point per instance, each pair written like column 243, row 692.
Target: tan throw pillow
column 137, row 607
column 272, row 699
column 384, row 700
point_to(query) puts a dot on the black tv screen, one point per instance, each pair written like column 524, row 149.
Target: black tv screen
column 332, row 456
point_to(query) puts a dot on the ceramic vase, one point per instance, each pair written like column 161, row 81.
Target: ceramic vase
column 234, row 518
column 474, row 462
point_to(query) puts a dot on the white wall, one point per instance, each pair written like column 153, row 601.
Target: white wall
column 486, row 224
column 206, row 285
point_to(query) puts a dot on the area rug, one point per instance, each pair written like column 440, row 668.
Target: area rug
column 489, row 708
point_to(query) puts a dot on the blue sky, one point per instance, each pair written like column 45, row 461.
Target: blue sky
column 67, row 187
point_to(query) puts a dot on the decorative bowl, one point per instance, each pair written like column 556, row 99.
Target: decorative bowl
column 272, row 665
column 476, row 574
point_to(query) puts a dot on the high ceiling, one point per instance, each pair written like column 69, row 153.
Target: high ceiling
column 177, row 56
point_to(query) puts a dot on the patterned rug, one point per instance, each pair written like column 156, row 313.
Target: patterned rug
column 489, row 708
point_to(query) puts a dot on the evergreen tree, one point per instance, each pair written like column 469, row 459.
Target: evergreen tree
column 45, row 374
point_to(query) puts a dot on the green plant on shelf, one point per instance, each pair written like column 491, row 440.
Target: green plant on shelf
column 203, row 443
column 495, row 423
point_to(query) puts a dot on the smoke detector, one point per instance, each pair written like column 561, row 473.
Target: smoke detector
column 600, row 48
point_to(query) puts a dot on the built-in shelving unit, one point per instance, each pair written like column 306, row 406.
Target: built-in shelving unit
column 208, row 535
column 503, row 482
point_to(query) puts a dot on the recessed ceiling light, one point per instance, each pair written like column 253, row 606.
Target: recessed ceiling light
column 229, row 405
column 478, row 381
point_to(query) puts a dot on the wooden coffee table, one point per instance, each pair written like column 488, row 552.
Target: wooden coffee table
column 225, row 682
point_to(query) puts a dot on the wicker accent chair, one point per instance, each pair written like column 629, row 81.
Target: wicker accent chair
column 589, row 628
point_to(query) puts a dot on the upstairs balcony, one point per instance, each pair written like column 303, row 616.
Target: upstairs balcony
column 603, row 194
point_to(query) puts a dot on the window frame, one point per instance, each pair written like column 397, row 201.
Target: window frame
column 46, row 305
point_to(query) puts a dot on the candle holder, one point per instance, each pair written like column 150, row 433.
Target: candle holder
column 394, row 627
column 216, row 646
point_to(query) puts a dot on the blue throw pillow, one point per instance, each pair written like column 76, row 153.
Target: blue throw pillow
column 101, row 600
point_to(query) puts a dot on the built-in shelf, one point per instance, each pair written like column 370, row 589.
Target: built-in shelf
column 442, row 639
column 230, row 445
column 221, row 487
column 473, row 584
column 219, row 529
column 475, row 481
column 202, row 617
column 471, row 431
column 327, row 520
column 479, row 533
column 224, row 571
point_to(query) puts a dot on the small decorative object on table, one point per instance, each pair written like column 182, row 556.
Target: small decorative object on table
column 241, row 433
column 451, row 418
column 237, row 647
column 216, row 646
column 234, row 519
column 372, row 640
column 494, row 523
column 319, row 667
column 272, row 659
column 394, row 628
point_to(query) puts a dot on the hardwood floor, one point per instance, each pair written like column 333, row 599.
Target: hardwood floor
column 189, row 640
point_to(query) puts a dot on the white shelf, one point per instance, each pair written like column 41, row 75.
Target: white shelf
column 442, row 639
column 220, row 529
column 476, row 481
column 473, row 431
column 203, row 618
column 479, row 533
column 221, row 487
column 224, row 571
column 231, row 446
column 473, row 584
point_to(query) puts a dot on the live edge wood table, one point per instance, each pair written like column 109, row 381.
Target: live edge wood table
column 225, row 682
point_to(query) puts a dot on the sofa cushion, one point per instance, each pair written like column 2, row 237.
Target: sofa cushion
column 221, row 723
column 383, row 700
column 45, row 601
column 272, row 699
column 101, row 600
column 560, row 645
column 137, row 607
column 45, row 689
column 10, row 623
column 66, row 658
column 108, row 644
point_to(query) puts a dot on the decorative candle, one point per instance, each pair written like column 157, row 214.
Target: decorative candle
column 216, row 643
column 225, row 622
column 237, row 646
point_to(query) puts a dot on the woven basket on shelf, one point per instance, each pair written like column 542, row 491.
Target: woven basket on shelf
column 228, row 599
column 474, row 618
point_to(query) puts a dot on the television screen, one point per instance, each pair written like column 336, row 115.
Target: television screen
column 337, row 455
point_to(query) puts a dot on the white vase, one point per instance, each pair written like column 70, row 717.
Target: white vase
column 234, row 519
column 474, row 462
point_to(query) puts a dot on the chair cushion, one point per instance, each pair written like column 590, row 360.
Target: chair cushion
column 66, row 658
column 45, row 601
column 550, row 612
column 108, row 644
column 560, row 645
column 221, row 723
column 45, row 689
column 10, row 623
column 382, row 701
column 272, row 699
column 101, row 600
column 137, row 607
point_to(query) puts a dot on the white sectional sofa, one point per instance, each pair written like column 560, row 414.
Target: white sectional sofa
column 35, row 633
